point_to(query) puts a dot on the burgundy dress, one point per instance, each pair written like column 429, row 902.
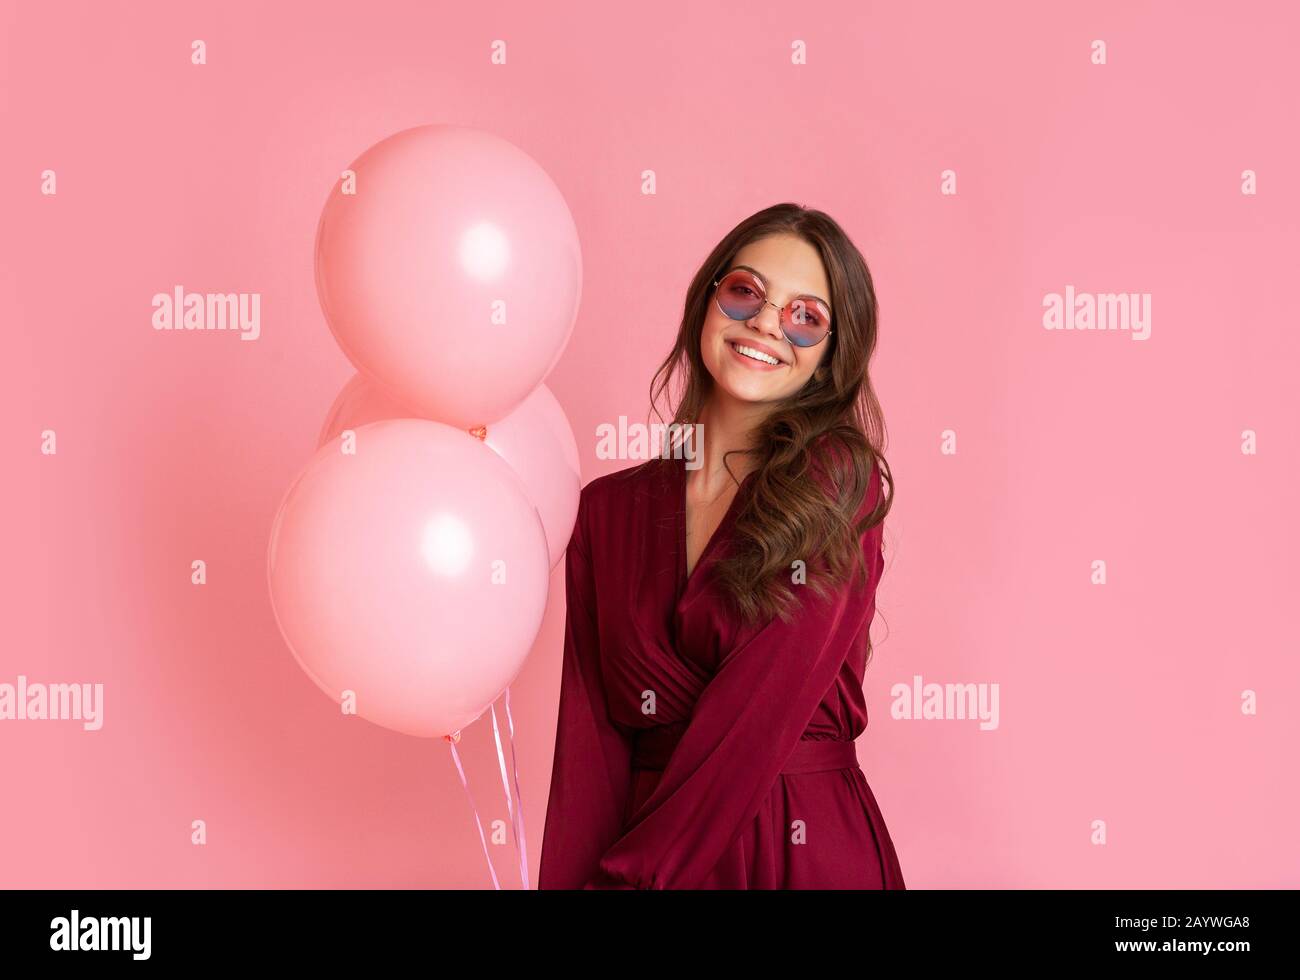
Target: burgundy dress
column 692, row 751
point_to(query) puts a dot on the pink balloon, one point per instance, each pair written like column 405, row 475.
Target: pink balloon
column 362, row 401
column 413, row 573
column 535, row 439
column 452, row 275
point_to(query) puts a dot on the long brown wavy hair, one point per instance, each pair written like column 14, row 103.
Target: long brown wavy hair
column 786, row 516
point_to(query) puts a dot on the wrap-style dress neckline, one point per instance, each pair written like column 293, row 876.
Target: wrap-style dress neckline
column 685, row 579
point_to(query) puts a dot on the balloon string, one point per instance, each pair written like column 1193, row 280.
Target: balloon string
column 514, row 764
column 522, row 835
column 470, row 796
column 516, row 812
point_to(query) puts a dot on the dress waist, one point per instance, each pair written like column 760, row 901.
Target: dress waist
column 652, row 747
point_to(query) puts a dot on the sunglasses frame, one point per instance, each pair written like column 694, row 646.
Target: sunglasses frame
column 781, row 310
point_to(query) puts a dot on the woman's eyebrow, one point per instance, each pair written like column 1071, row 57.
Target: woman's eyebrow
column 763, row 279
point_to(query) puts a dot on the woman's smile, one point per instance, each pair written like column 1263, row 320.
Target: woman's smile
column 753, row 357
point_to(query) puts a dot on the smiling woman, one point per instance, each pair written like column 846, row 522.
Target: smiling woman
column 790, row 342
column 717, row 631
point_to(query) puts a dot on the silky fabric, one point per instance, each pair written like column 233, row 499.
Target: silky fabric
column 693, row 751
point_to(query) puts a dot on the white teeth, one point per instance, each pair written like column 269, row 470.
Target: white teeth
column 757, row 355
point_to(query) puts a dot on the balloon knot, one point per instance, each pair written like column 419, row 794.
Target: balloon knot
column 479, row 432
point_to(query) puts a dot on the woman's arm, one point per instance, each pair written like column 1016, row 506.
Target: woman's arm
column 592, row 772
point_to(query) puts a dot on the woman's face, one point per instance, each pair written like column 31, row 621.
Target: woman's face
column 788, row 267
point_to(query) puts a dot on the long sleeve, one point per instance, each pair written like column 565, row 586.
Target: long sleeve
column 744, row 727
column 592, row 772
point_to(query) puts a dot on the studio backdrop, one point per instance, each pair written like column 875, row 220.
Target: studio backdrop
column 1081, row 222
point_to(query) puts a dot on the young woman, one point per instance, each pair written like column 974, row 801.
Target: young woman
column 718, row 606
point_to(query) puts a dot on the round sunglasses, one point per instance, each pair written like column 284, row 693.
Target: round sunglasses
column 805, row 320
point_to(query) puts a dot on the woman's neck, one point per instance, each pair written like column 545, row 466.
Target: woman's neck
column 727, row 425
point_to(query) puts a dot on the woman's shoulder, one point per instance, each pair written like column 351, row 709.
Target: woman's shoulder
column 608, row 501
column 618, row 487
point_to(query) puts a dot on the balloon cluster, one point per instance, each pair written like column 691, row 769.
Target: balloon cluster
column 409, row 560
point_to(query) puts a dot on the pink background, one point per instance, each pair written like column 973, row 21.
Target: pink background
column 1119, row 703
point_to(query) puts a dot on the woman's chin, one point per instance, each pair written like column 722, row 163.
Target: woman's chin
column 747, row 390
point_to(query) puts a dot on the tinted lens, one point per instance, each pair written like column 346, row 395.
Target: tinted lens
column 740, row 296
column 805, row 322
